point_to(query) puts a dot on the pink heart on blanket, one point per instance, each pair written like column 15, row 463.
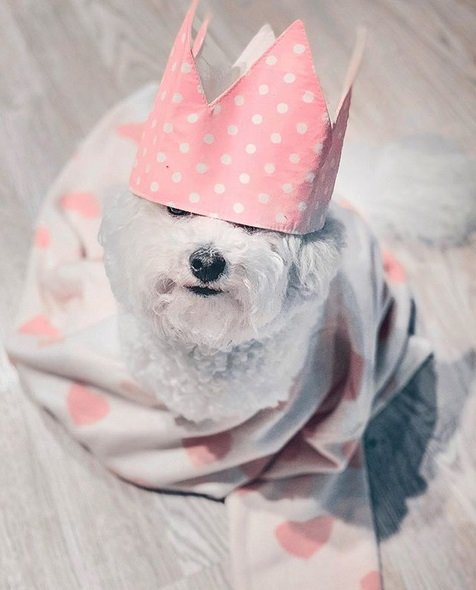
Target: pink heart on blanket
column 42, row 237
column 392, row 267
column 85, row 204
column 39, row 325
column 207, row 449
column 131, row 131
column 303, row 539
column 85, row 406
column 371, row 581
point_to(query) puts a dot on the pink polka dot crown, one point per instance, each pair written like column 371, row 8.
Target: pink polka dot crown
column 264, row 153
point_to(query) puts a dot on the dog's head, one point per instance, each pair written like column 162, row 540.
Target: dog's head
column 205, row 281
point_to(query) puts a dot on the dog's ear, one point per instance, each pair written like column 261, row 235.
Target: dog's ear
column 316, row 258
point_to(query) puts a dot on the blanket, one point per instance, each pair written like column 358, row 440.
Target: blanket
column 293, row 477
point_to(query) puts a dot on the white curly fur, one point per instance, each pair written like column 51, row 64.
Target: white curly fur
column 226, row 355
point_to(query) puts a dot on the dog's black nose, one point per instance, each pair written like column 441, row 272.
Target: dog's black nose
column 207, row 264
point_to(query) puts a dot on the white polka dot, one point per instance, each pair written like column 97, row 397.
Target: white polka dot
column 281, row 218
column 174, row 66
column 271, row 60
column 308, row 96
column 168, row 127
column 147, row 169
column 161, row 157
column 176, row 177
column 154, row 123
column 282, row 108
column 325, row 117
column 200, row 89
column 299, row 48
column 302, row 206
column 294, row 158
column 201, row 168
column 186, row 68
column 301, row 128
column 226, row 159
column 219, row 189
column 238, row 208
column 154, row 140
column 257, row 119
column 333, row 163
column 310, row 176
column 263, row 198
column 192, row 118
column 244, row 178
column 163, row 95
column 138, row 179
column 263, row 89
column 318, row 148
column 177, row 97
column 232, row 130
column 250, row 148
column 270, row 168
column 287, row 188
column 276, row 138
column 144, row 151
column 184, row 148
column 289, row 78
column 209, row 138
column 239, row 100
column 217, row 109
column 194, row 197
column 154, row 187
column 183, row 37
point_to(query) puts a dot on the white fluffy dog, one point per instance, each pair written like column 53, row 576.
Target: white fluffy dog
column 214, row 316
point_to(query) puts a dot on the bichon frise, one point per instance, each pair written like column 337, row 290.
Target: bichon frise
column 215, row 316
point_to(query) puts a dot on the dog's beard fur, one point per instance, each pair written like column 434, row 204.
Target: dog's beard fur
column 270, row 277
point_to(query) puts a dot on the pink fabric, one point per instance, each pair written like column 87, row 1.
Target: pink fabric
column 263, row 153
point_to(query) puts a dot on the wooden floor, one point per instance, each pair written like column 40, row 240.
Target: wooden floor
column 65, row 523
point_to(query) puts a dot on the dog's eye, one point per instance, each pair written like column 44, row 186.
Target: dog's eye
column 250, row 229
column 178, row 212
